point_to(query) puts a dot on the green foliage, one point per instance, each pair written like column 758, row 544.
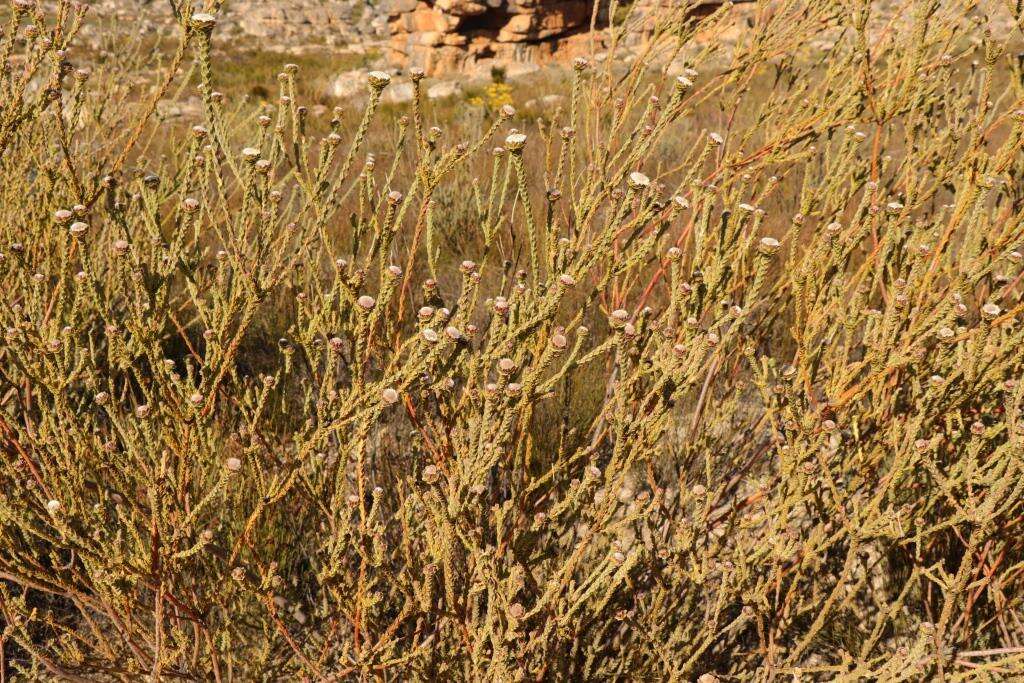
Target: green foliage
column 622, row 398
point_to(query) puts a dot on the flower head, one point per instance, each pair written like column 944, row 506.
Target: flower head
column 515, row 142
column 378, row 80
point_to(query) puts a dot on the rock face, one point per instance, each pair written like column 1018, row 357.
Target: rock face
column 334, row 22
column 440, row 36
column 458, row 35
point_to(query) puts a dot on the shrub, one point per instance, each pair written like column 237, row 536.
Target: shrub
column 739, row 401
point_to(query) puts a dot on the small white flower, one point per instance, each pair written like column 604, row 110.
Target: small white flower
column 769, row 245
column 515, row 142
column 203, row 21
column 638, row 180
column 378, row 79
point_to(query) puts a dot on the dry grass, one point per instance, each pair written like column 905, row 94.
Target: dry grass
column 697, row 377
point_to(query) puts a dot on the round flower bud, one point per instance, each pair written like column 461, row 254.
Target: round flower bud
column 250, row 154
column 559, row 341
column 567, row 280
column 196, row 399
column 507, row 111
column 120, row 247
column 515, row 142
column 716, row 139
column 430, row 335
column 638, row 181
column 426, row 313
column 430, row 474
column 53, row 506
column 453, row 333
column 366, row 302
column 990, row 311
column 389, row 395
column 202, row 21
column 507, row 366
column 142, row 411
column 378, row 80
column 768, row 246
column 233, row 464
column 62, row 216
column 78, row 228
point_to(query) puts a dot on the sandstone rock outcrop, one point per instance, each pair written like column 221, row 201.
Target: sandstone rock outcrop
column 447, row 35
column 440, row 36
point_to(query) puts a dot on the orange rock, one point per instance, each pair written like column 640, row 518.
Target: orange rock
column 545, row 22
column 461, row 8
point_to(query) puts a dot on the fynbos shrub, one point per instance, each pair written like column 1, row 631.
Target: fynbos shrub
column 703, row 377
